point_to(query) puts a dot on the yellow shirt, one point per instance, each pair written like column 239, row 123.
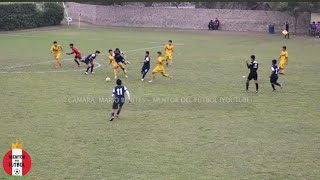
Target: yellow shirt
column 111, row 59
column 159, row 63
column 56, row 48
column 284, row 56
column 169, row 49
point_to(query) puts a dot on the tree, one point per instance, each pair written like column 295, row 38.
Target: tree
column 295, row 9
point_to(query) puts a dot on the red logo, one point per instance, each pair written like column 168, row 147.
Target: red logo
column 17, row 162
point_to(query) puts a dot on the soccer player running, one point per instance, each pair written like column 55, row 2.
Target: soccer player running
column 274, row 75
column 119, row 99
column 56, row 50
column 89, row 61
column 159, row 68
column 253, row 66
column 146, row 65
column 113, row 62
column 169, row 48
column 120, row 60
column 76, row 52
column 283, row 59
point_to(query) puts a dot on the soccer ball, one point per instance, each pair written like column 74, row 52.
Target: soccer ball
column 284, row 32
column 108, row 79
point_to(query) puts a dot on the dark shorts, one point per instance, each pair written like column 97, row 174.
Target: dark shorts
column 118, row 103
column 253, row 76
column 145, row 70
column 274, row 79
column 88, row 61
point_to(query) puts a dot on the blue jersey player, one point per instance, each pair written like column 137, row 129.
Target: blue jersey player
column 253, row 66
column 119, row 99
column 274, row 75
column 89, row 61
column 146, row 65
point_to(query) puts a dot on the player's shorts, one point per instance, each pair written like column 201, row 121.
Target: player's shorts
column 88, row 61
column 114, row 64
column 77, row 56
column 253, row 76
column 145, row 70
column 120, row 64
column 282, row 64
column 274, row 79
column 158, row 70
column 168, row 56
column 118, row 103
column 57, row 55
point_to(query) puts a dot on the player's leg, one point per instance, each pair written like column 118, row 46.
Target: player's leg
column 123, row 69
column 248, row 81
column 153, row 75
column 272, row 81
column 281, row 67
column 88, row 66
column 115, row 71
column 256, row 82
column 170, row 60
column 119, row 109
column 115, row 107
column 165, row 75
column 76, row 60
column 276, row 82
column 144, row 73
column 92, row 65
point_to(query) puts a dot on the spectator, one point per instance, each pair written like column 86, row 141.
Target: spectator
column 312, row 30
column 287, row 29
column 211, row 25
column 216, row 24
column 318, row 29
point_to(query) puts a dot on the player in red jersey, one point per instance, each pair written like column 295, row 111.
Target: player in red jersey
column 77, row 52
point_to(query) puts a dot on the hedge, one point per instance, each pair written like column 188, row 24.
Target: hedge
column 27, row 15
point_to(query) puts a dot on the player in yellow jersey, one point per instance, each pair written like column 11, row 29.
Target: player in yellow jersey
column 113, row 62
column 169, row 48
column 159, row 68
column 56, row 49
column 283, row 59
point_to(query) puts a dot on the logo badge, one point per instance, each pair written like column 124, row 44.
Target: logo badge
column 17, row 162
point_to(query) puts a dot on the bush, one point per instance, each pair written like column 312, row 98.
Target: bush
column 27, row 15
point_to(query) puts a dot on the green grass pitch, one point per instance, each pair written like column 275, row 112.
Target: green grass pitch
column 200, row 125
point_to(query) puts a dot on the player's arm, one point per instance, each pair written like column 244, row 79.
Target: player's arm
column 128, row 94
column 61, row 48
column 248, row 65
column 272, row 70
column 287, row 58
column 113, row 92
column 70, row 53
column 51, row 49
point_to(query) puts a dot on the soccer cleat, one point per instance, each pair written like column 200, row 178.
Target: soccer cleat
column 150, row 81
column 256, row 92
column 117, row 115
column 112, row 118
column 86, row 73
column 142, row 79
column 92, row 72
column 247, row 91
column 126, row 76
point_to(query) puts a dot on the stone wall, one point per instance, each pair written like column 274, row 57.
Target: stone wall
column 231, row 20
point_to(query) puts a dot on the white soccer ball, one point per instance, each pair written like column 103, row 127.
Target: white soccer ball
column 108, row 79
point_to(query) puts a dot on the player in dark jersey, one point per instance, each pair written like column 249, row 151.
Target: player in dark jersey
column 77, row 54
column 253, row 66
column 119, row 99
column 89, row 61
column 146, row 65
column 274, row 75
column 120, row 60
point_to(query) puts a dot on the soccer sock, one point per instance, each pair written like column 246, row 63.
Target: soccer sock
column 152, row 77
column 247, row 86
column 115, row 72
column 92, row 68
column 119, row 110
column 257, row 86
column 273, row 87
column 77, row 62
column 124, row 71
column 112, row 114
column 144, row 74
column 88, row 69
column 165, row 75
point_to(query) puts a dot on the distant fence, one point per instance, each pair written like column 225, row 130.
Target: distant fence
column 232, row 20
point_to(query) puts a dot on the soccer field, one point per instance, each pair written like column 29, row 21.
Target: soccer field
column 199, row 125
